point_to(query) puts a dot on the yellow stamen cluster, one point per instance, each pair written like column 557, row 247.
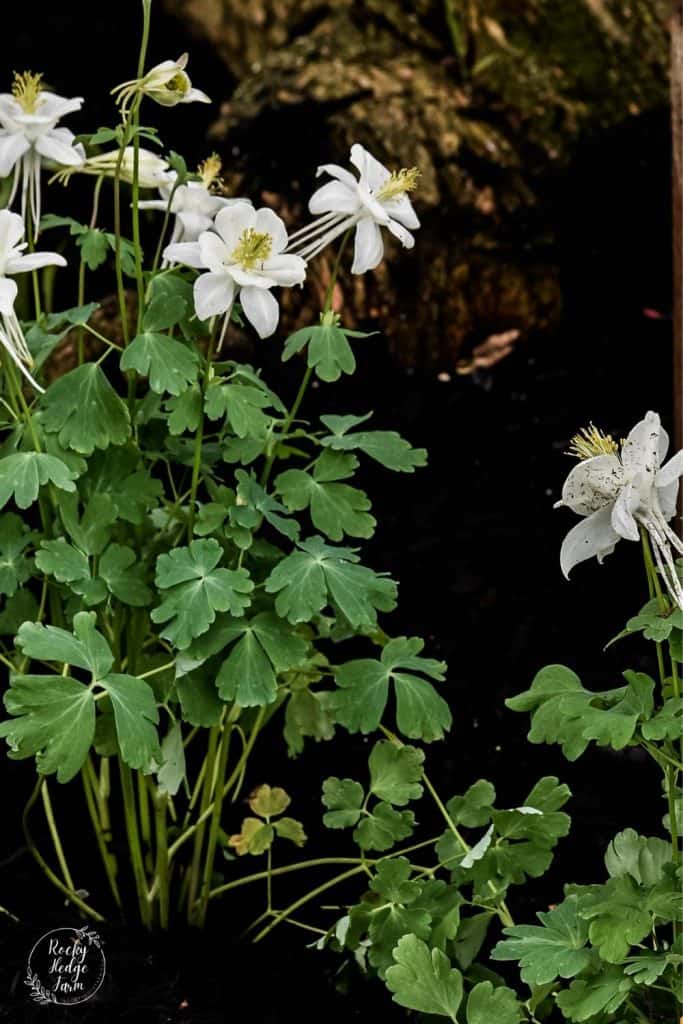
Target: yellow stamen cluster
column 209, row 171
column 26, row 88
column 252, row 248
column 591, row 441
column 398, row 183
column 179, row 83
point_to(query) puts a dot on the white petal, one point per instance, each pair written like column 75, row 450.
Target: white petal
column 368, row 248
column 213, row 294
column 671, row 470
column 193, row 224
column 213, row 251
column 593, row 483
column 34, row 261
column 401, row 209
column 373, row 173
column 251, row 278
column 285, row 270
column 267, row 222
column 53, row 146
column 186, row 253
column 622, row 513
column 640, row 450
column 404, row 236
column 11, row 233
column 340, row 173
column 335, row 197
column 668, row 499
column 592, row 537
column 231, row 221
column 53, row 106
column 8, row 293
column 195, row 96
column 12, row 148
column 261, row 310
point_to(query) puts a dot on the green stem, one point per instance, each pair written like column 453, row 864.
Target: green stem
column 54, row 833
column 214, row 827
column 143, row 804
column 282, row 915
column 160, row 806
column 56, row 881
column 134, row 846
column 108, row 861
column 199, row 828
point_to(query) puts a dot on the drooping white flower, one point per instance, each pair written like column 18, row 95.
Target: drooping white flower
column 13, row 260
column 194, row 204
column 244, row 255
column 377, row 199
column 167, row 83
column 151, row 168
column 619, row 489
column 29, row 136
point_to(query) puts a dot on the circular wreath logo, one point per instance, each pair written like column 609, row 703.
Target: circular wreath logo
column 66, row 966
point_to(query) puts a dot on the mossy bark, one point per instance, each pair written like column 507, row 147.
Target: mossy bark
column 486, row 97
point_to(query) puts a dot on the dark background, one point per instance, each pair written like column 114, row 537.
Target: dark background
column 473, row 540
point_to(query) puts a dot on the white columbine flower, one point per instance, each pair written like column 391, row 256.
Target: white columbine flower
column 167, row 83
column 14, row 261
column 151, row 168
column 29, row 136
column 618, row 490
column 244, row 254
column 377, row 199
column 194, row 204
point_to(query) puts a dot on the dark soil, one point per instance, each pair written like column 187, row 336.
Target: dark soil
column 474, row 542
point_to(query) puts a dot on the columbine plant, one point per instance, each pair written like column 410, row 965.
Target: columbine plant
column 179, row 561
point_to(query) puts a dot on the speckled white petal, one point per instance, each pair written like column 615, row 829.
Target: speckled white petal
column 213, row 294
column 593, row 537
column 592, row 484
column 368, row 248
column 671, row 470
column 668, row 499
column 622, row 519
column 261, row 310
column 640, row 450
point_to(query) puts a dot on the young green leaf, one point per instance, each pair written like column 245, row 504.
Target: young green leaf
column 123, row 576
column 62, row 560
column 170, row 365
column 197, row 590
column 487, row 1004
column 364, row 691
column 266, row 646
column 136, row 718
column 317, row 574
column 643, row 858
column 243, row 406
column 84, row 411
column 344, row 799
column 558, row 703
column 15, row 567
column 384, row 446
column 383, row 828
column 336, row 508
column 604, row 993
column 24, row 473
column 85, row 647
column 557, row 949
column 54, row 719
column 291, row 829
column 618, row 917
column 423, row 979
column 395, row 773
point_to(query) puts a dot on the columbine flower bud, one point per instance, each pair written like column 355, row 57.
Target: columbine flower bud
column 167, row 83
column 152, row 169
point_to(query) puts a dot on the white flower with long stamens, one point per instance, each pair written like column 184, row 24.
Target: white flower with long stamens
column 244, row 255
column 377, row 199
column 194, row 204
column 151, row 168
column 13, row 260
column 167, row 83
column 619, row 490
column 29, row 136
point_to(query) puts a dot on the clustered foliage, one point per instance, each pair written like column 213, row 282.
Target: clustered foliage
column 180, row 571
